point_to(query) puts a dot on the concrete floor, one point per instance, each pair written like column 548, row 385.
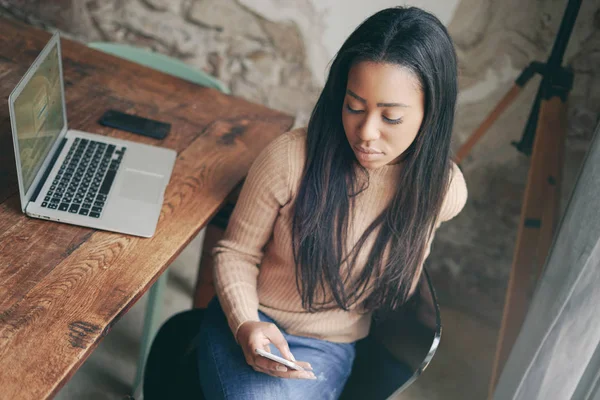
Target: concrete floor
column 460, row 369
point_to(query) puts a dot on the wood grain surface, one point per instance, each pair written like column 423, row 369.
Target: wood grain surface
column 63, row 287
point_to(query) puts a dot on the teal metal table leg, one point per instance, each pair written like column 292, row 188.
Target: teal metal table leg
column 152, row 322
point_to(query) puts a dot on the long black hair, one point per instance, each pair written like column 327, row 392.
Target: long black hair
column 326, row 272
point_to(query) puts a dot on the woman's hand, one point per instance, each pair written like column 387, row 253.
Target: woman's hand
column 258, row 335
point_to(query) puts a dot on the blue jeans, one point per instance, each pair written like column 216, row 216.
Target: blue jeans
column 224, row 373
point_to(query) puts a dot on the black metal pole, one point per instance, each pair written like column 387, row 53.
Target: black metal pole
column 564, row 33
column 556, row 79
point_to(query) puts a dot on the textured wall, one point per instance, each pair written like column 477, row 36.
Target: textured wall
column 495, row 40
column 272, row 56
column 325, row 24
column 259, row 59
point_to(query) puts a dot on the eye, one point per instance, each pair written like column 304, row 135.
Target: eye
column 352, row 110
column 392, row 121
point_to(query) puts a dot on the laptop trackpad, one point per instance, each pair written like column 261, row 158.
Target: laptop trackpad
column 141, row 186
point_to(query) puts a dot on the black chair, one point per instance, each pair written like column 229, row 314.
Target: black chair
column 397, row 350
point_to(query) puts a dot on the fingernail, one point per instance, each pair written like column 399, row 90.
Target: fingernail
column 292, row 356
column 281, row 368
column 311, row 376
column 309, row 367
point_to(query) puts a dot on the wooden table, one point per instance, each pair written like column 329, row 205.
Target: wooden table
column 63, row 287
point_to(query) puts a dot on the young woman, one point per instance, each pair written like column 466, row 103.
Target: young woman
column 335, row 221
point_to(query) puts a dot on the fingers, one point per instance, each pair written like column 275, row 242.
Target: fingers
column 258, row 335
column 290, row 374
column 276, row 369
column 304, row 365
column 264, row 363
column 276, row 337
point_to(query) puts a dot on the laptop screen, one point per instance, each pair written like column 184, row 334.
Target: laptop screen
column 39, row 116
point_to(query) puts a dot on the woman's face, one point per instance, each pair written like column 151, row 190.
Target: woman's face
column 382, row 112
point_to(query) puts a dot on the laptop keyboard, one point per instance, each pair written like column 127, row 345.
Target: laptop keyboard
column 84, row 178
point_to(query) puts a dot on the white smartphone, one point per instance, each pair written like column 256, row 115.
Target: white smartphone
column 280, row 360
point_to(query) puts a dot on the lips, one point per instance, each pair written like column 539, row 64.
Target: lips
column 366, row 155
column 365, row 150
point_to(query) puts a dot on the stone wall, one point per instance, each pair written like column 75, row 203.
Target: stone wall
column 264, row 57
column 495, row 40
column 258, row 59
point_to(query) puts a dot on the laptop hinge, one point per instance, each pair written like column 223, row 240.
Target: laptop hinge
column 40, row 185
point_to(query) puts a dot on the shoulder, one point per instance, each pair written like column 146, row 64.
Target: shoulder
column 456, row 196
column 297, row 144
column 280, row 163
column 284, row 149
column 291, row 153
column 289, row 145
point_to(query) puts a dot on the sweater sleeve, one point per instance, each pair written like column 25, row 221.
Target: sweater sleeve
column 454, row 202
column 238, row 255
column 456, row 197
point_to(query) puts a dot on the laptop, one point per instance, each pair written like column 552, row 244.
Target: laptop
column 76, row 177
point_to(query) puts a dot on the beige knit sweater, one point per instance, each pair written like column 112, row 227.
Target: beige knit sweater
column 254, row 263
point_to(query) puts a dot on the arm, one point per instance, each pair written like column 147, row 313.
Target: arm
column 456, row 198
column 239, row 254
column 453, row 203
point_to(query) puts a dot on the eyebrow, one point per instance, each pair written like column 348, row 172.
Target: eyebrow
column 364, row 101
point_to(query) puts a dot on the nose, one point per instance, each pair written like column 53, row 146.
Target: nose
column 368, row 130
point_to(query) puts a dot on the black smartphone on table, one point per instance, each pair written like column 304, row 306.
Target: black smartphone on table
column 135, row 124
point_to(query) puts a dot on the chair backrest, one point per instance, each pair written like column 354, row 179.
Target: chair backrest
column 412, row 334
column 161, row 62
column 398, row 349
